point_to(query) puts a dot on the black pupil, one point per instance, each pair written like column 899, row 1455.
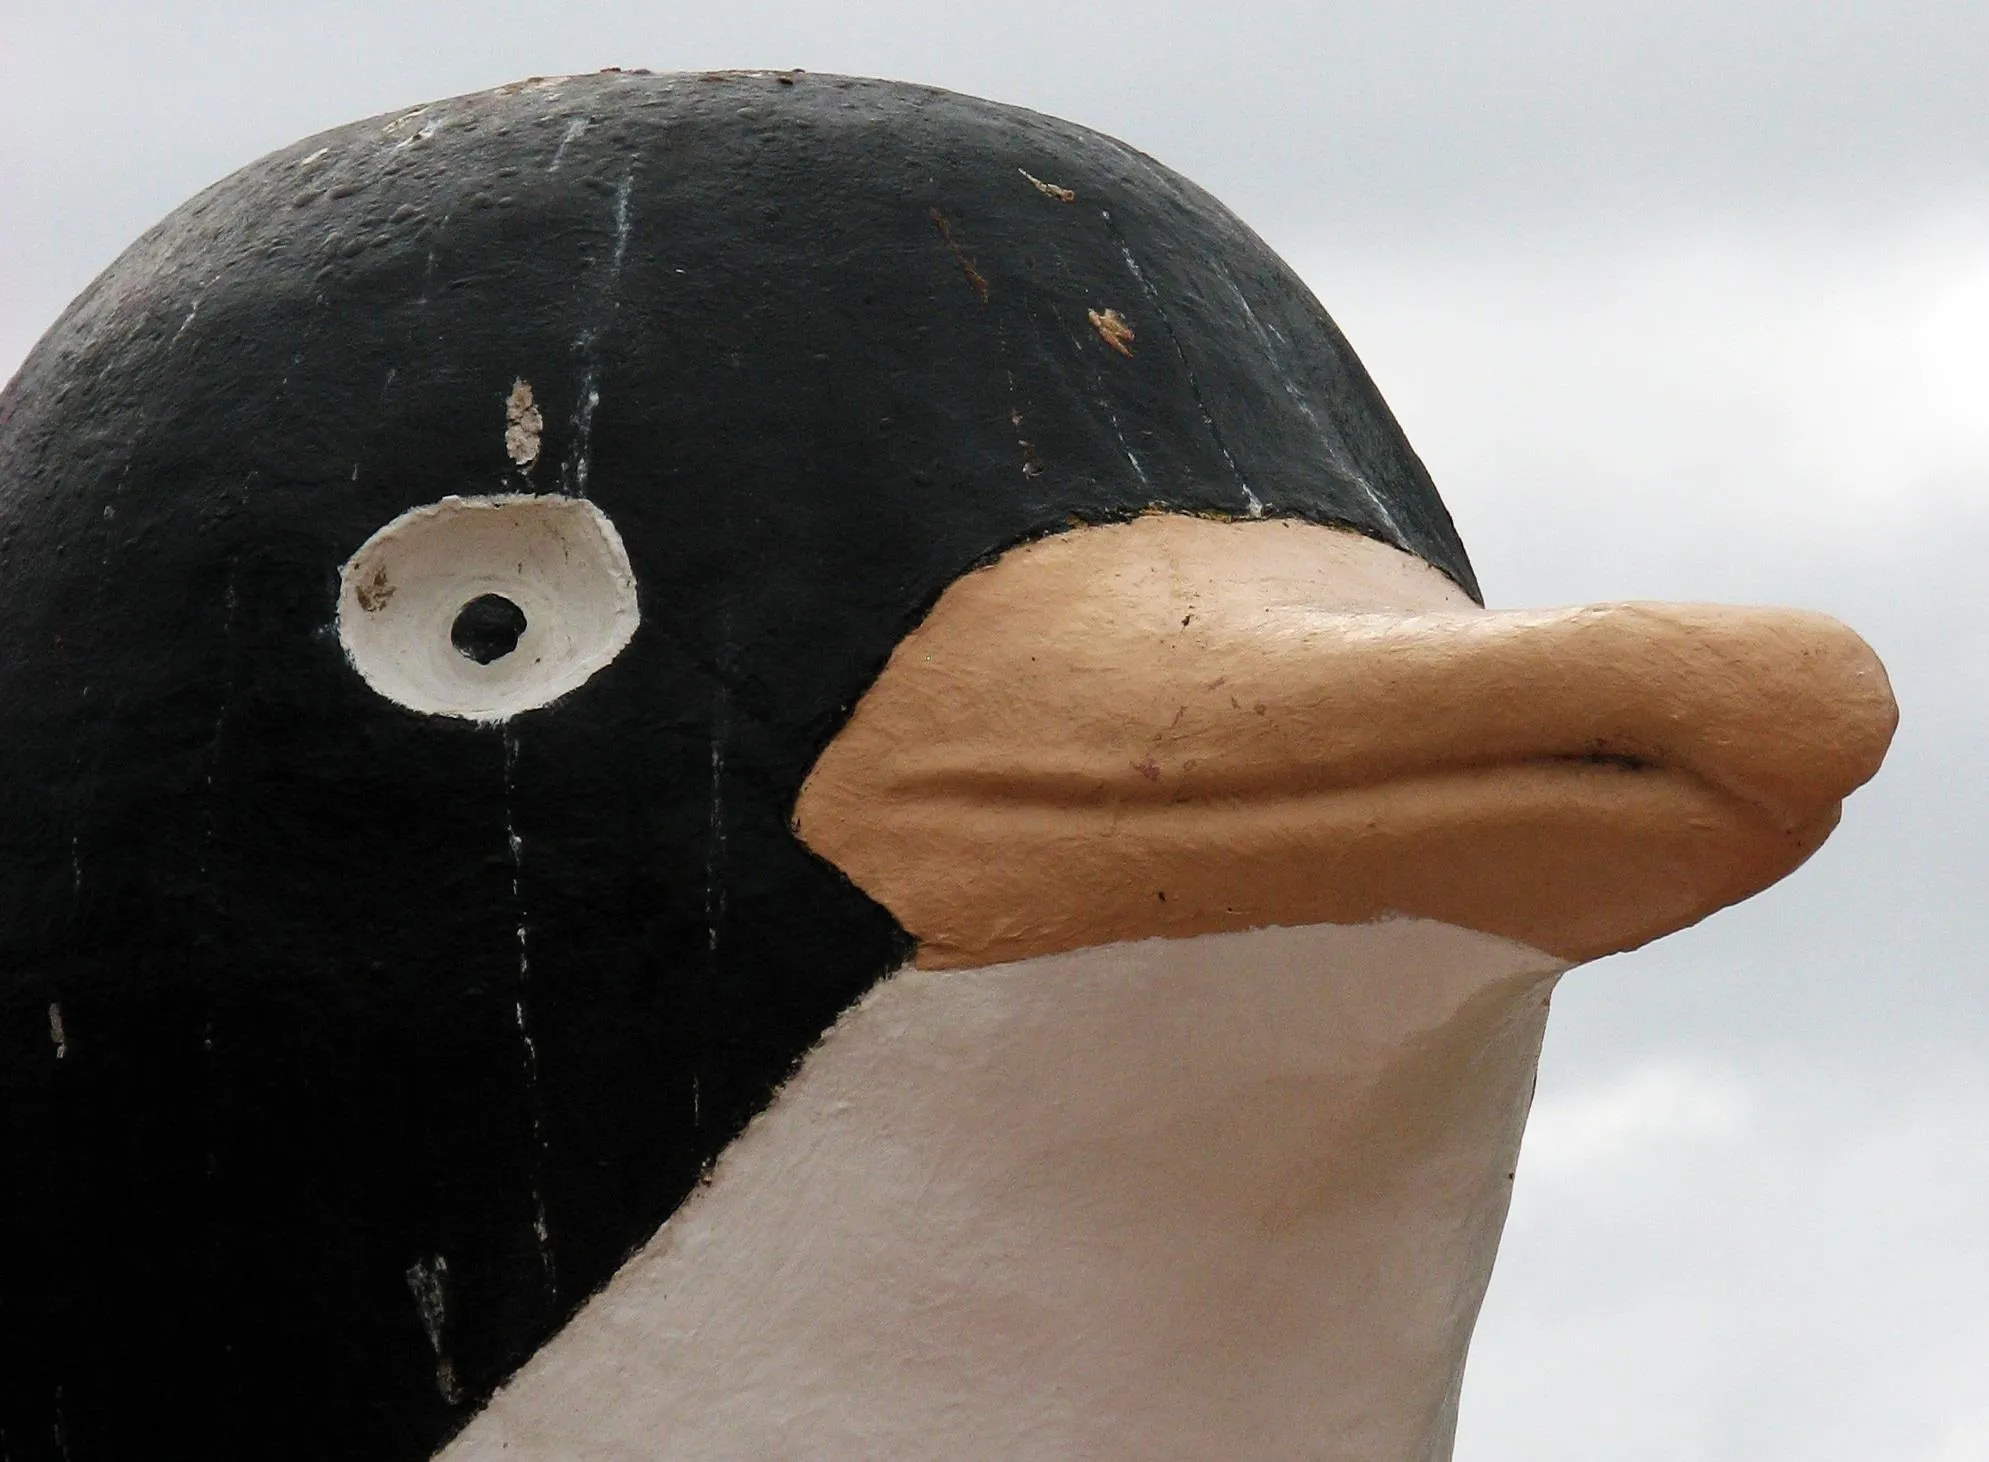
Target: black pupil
column 487, row 628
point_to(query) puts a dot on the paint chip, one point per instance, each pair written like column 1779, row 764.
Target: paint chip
column 1112, row 329
column 522, row 425
column 1048, row 190
column 55, row 1031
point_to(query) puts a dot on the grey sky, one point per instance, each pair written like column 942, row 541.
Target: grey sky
column 1682, row 300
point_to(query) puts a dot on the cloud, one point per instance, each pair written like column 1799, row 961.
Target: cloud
column 1638, row 1115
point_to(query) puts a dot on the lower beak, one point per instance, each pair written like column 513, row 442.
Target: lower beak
column 1178, row 727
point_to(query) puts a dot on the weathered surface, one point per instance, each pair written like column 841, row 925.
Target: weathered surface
column 344, row 1049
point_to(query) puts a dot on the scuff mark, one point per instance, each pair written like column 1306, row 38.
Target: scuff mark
column 1048, row 190
column 573, row 131
column 974, row 279
column 56, row 1033
column 427, row 1281
column 1253, row 505
column 184, row 323
column 523, row 425
column 1113, row 330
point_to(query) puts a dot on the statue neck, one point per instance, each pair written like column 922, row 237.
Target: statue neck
column 1230, row 1196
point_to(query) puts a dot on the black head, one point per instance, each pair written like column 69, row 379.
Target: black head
column 349, row 1045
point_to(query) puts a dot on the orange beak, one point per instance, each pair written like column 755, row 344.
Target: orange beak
column 1176, row 726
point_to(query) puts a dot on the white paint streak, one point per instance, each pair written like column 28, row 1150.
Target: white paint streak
column 583, row 425
column 621, row 218
column 1345, row 468
column 56, row 1034
column 580, row 459
column 1253, row 506
column 1231, row 1197
column 529, row 1049
column 574, row 129
column 1126, row 447
column 427, row 1281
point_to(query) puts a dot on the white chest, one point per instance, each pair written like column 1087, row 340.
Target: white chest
column 1228, row 1197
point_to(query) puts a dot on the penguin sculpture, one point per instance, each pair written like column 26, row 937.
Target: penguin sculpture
column 767, row 766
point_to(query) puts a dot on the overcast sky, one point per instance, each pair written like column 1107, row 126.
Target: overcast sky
column 1684, row 300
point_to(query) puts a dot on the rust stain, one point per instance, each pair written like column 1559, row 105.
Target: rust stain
column 974, row 280
column 1112, row 329
column 1048, row 190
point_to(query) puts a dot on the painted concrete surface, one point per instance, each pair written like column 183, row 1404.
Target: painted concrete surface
column 1234, row 1196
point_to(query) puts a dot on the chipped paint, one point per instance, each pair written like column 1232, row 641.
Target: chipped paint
column 523, row 425
column 1048, row 190
column 56, row 1034
column 1113, row 330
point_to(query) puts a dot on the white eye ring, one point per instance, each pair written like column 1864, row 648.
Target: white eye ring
column 548, row 576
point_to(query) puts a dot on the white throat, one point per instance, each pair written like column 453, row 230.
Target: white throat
column 1227, row 1197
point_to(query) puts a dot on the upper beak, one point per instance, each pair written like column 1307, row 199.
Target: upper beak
column 1175, row 726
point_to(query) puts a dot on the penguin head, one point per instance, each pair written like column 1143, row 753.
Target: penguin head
column 521, row 611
